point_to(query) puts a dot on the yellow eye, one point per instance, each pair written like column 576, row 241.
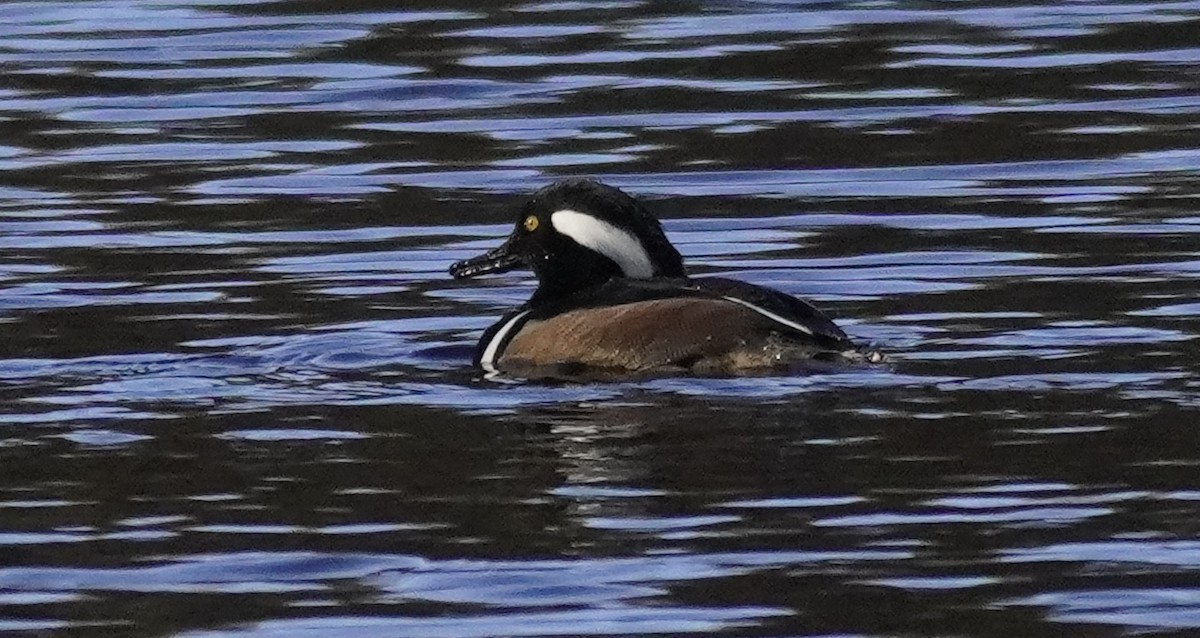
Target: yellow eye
column 531, row 223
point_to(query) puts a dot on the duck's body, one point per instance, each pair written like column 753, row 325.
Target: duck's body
column 613, row 297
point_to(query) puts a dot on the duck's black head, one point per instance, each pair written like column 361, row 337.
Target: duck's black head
column 576, row 234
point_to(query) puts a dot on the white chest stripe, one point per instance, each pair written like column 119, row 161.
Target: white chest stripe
column 608, row 240
column 488, row 360
column 770, row 315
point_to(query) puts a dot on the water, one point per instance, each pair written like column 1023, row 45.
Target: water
column 235, row 392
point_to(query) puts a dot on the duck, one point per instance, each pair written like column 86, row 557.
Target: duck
column 613, row 296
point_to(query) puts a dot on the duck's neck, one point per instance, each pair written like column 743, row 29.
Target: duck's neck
column 561, row 287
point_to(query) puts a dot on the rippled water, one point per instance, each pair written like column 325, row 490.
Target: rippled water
column 235, row 391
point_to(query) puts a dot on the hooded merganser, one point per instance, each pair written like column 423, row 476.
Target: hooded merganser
column 613, row 295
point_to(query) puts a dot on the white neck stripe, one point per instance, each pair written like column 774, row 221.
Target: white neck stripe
column 615, row 243
column 770, row 315
column 487, row 360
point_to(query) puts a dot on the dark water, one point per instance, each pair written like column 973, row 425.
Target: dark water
column 234, row 390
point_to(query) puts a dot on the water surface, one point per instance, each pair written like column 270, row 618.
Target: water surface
column 235, row 391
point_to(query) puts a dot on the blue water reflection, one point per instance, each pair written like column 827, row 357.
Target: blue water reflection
column 236, row 387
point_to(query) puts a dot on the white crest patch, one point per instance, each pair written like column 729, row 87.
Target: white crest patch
column 608, row 240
